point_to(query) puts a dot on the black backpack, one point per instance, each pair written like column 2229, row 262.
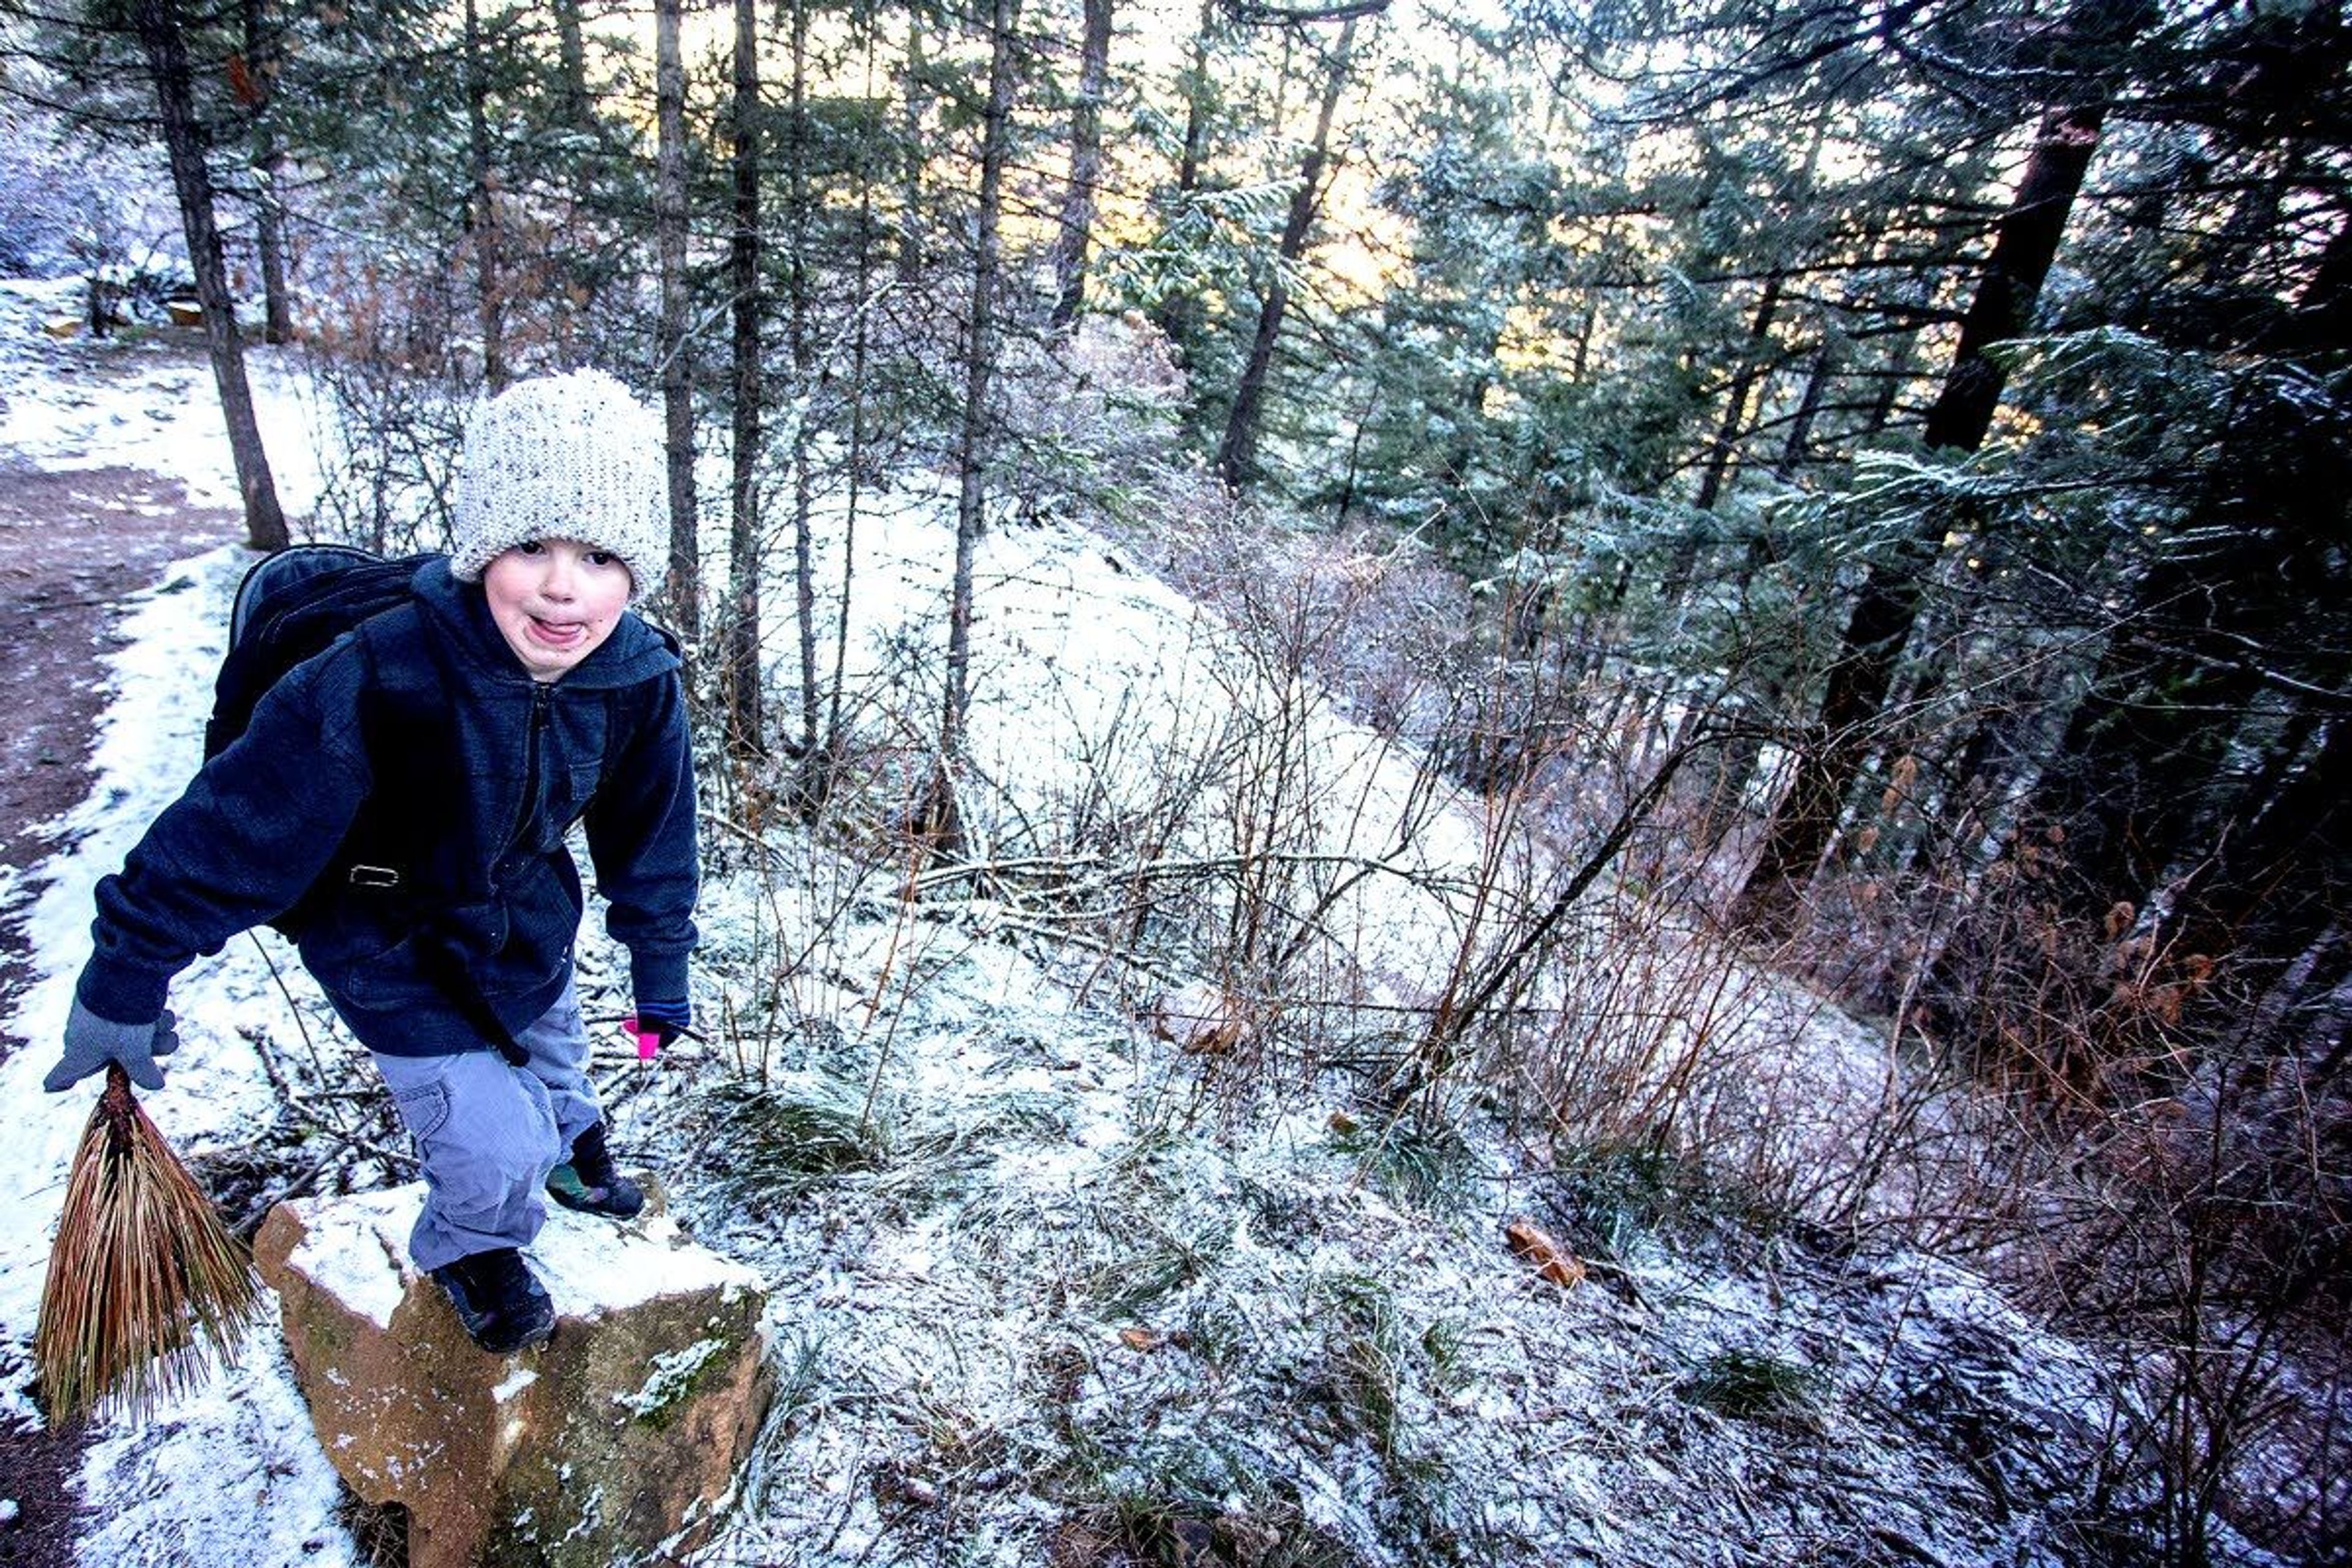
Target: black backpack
column 290, row 607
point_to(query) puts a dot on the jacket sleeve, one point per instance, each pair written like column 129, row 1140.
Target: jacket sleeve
column 240, row 844
column 641, row 837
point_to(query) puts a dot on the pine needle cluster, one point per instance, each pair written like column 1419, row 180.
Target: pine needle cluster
column 145, row 1287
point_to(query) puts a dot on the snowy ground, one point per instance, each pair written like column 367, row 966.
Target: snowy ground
column 1039, row 1295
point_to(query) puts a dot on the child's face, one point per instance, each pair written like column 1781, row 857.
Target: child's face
column 555, row 601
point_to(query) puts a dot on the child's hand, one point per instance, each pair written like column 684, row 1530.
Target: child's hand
column 91, row 1042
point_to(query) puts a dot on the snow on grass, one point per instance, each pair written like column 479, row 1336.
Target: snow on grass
column 1096, row 686
column 1000, row 1331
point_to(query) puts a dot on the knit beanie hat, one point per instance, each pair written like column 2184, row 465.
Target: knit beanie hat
column 565, row 456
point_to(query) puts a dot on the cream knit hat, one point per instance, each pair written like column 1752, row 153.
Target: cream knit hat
column 565, row 456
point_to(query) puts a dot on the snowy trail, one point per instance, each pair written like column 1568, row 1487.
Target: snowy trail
column 231, row 1474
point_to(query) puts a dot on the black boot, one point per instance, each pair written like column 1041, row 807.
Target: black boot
column 501, row 1305
column 591, row 1183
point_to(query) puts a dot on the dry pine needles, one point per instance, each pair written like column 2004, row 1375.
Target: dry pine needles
column 145, row 1285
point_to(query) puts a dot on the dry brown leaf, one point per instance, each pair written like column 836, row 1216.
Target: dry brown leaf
column 1201, row 1020
column 1552, row 1260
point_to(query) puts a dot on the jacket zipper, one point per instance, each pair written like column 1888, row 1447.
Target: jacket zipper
column 530, row 749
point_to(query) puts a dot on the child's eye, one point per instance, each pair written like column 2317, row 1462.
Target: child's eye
column 531, row 547
column 601, row 558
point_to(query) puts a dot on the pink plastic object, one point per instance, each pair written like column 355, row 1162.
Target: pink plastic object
column 648, row 1043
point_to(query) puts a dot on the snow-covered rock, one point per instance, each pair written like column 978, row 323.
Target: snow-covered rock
column 620, row 1435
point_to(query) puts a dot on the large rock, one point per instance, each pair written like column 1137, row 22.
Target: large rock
column 620, row 1434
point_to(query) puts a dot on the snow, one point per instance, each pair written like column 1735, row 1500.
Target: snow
column 362, row 1260
column 1066, row 1274
column 154, row 407
column 362, row 1264
column 671, row 1374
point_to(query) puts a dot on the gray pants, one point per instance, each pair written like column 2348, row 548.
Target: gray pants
column 487, row 1133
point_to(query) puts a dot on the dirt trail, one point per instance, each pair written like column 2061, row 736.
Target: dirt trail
column 72, row 546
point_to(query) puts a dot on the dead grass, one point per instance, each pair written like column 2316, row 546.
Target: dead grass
column 146, row 1288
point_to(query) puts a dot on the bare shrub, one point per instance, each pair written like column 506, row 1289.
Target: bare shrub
column 397, row 400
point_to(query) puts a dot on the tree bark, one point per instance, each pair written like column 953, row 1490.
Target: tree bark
column 820, row 770
column 1809, row 409
column 745, row 732
column 677, row 360
column 1194, row 85
column 805, row 375
column 1086, row 168
column 979, row 350
column 1179, row 312
column 1683, row 563
column 166, row 47
column 1237, row 453
column 489, row 309
column 914, row 107
column 268, row 174
column 572, row 61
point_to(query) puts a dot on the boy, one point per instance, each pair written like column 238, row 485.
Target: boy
column 407, row 794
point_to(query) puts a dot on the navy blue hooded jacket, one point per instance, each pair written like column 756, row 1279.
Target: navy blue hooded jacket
column 464, row 775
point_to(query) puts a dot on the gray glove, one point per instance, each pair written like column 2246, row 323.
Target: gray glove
column 91, row 1042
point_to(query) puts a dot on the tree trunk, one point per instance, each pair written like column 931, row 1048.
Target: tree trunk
column 1194, row 84
column 2321, row 323
column 980, row 349
column 914, row 108
column 1179, row 312
column 270, row 169
column 1683, row 564
column 1237, row 453
column 820, row 772
column 185, row 143
column 572, row 62
column 484, row 215
column 2025, row 241
column 1755, row 355
column 2198, row 793
column 1809, row 409
column 268, row 174
column 804, row 377
column 1086, row 168
column 676, row 356
column 1735, row 399
column 2279, row 877
column 745, row 732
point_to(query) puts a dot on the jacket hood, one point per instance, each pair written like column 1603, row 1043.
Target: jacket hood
column 636, row 651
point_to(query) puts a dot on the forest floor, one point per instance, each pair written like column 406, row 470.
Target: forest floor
column 1070, row 1301
column 77, row 543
